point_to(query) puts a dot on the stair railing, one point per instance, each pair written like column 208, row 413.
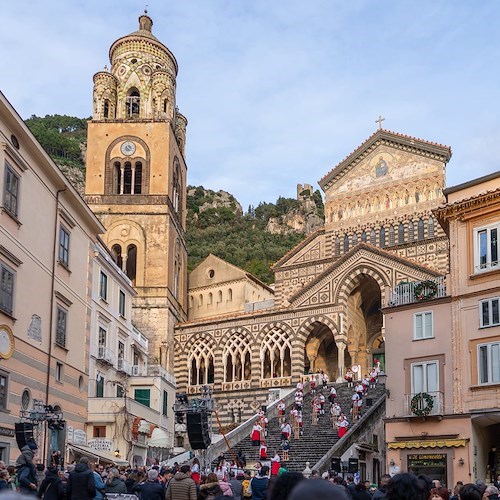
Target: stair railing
column 358, row 429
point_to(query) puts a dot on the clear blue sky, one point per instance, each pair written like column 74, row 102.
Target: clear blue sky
column 278, row 92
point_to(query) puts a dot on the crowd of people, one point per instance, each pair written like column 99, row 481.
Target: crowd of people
column 226, row 481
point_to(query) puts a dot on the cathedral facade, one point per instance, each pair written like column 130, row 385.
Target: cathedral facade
column 325, row 312
column 136, row 180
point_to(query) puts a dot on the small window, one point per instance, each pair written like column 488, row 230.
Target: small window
column 120, row 391
column 121, row 350
column 209, row 300
column 59, row 372
column 229, row 294
column 423, row 326
column 165, row 403
column 4, row 386
column 430, row 227
column 363, row 236
column 489, row 363
column 11, row 191
column 63, row 246
column 143, row 396
column 411, row 231
column 7, row 290
column 420, row 229
column 62, row 319
column 200, row 300
column 121, row 305
column 219, row 293
column 99, row 431
column 382, row 237
column 337, row 246
column 401, row 233
column 25, row 399
column 346, row 243
column 489, row 313
column 391, row 236
column 103, row 286
column 373, row 237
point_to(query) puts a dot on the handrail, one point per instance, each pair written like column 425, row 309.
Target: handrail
column 350, row 438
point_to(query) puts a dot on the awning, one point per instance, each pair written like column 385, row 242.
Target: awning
column 427, row 443
column 158, row 439
column 99, row 454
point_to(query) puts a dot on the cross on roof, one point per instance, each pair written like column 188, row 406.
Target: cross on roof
column 379, row 121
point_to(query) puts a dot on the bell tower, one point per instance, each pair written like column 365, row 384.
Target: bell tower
column 136, row 180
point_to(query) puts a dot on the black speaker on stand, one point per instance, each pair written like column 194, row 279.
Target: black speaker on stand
column 353, row 466
column 24, row 433
column 336, row 465
column 198, row 430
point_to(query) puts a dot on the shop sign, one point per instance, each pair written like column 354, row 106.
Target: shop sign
column 79, row 437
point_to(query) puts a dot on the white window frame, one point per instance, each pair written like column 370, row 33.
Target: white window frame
column 426, row 384
column 489, row 264
column 490, row 312
column 488, row 345
column 425, row 334
column 122, row 303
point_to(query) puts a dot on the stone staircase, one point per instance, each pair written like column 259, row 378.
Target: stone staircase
column 316, row 440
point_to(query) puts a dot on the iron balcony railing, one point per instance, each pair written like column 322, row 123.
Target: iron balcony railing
column 417, row 291
column 419, row 404
column 105, row 354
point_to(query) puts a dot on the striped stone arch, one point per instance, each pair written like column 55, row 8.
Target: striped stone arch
column 271, row 326
column 308, row 326
column 238, row 330
column 348, row 283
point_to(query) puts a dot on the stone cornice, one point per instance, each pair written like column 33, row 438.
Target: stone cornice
column 385, row 137
column 464, row 207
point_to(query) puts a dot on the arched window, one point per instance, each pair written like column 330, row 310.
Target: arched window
column 382, row 237
column 420, row 229
column 177, row 269
column 209, row 301
column 373, row 237
column 200, row 300
column 337, row 246
column 177, row 187
column 133, row 103
column 131, row 262
column 220, row 295
column 191, row 301
column 201, row 364
column 411, row 231
column 363, row 236
column 165, row 103
column 417, row 196
column 275, row 355
column 354, row 239
column 229, row 294
column 127, row 178
column 346, row 243
column 236, row 359
column 117, row 177
column 106, row 108
column 117, row 255
column 401, row 233
column 430, row 227
column 391, row 236
column 137, row 178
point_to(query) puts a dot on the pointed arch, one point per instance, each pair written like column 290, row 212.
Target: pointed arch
column 401, row 233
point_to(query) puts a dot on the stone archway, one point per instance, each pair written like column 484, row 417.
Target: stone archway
column 364, row 320
column 320, row 351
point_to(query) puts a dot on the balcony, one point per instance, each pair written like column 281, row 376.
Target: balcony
column 139, row 339
column 159, row 371
column 104, row 354
column 124, row 366
column 437, row 405
column 139, row 371
column 417, row 291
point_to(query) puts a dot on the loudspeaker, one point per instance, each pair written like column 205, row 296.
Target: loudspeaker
column 353, row 466
column 24, row 433
column 198, row 431
column 336, row 465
